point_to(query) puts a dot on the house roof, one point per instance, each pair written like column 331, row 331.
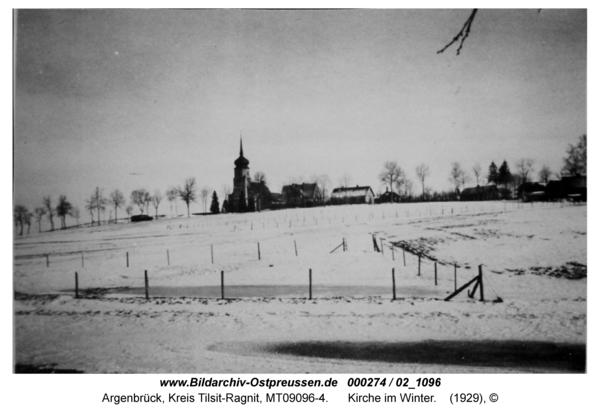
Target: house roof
column 351, row 191
column 308, row 191
column 479, row 190
column 259, row 188
column 528, row 187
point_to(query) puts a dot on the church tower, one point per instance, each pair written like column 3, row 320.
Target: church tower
column 238, row 201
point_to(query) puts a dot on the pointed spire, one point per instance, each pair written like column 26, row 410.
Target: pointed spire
column 241, row 148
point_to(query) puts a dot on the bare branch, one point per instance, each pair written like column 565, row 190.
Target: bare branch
column 462, row 35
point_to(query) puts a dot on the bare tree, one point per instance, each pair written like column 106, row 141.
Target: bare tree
column 263, row 195
column 323, row 183
column 187, row 193
column 545, row 174
column 259, row 177
column 465, row 178
column 50, row 211
column 147, row 202
column 27, row 220
column 99, row 202
column 140, row 198
column 524, row 167
column 75, row 213
column 408, row 188
column 90, row 206
column 39, row 214
column 172, row 197
column 422, row 173
column 576, row 161
column 20, row 216
column 117, row 200
column 345, row 180
column 456, row 174
column 156, row 198
column 204, row 194
column 478, row 172
column 392, row 174
column 63, row 209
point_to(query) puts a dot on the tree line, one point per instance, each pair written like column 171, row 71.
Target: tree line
column 97, row 203
column 575, row 163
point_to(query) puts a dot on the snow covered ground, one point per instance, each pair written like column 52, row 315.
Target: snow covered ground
column 535, row 283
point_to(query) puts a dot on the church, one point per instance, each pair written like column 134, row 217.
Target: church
column 247, row 196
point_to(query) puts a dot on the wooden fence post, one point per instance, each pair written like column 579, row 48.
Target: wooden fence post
column 76, row 285
column 47, row 260
column 419, row 273
column 394, row 284
column 310, row 284
column 82, row 263
column 212, row 257
column 435, row 265
column 404, row 256
column 258, row 243
column 127, row 258
column 454, row 276
column 393, row 258
column 381, row 243
column 168, row 258
column 295, row 248
column 146, row 283
column 222, row 285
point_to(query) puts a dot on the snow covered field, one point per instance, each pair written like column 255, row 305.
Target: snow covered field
column 534, row 265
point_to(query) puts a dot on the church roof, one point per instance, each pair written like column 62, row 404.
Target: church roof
column 241, row 161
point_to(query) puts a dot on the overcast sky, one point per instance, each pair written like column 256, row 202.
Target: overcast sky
column 133, row 99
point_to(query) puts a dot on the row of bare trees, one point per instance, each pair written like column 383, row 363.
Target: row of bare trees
column 23, row 217
column 97, row 203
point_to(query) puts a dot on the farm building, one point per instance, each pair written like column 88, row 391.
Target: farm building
column 480, row 193
column 355, row 195
column 301, row 195
column 571, row 187
column 531, row 191
column 388, row 197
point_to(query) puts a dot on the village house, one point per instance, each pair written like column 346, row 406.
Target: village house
column 301, row 195
column 531, row 191
column 570, row 187
column 354, row 195
column 388, row 197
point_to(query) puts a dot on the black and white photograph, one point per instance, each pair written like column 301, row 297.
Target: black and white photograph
column 321, row 191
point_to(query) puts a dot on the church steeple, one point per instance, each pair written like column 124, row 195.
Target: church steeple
column 241, row 162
